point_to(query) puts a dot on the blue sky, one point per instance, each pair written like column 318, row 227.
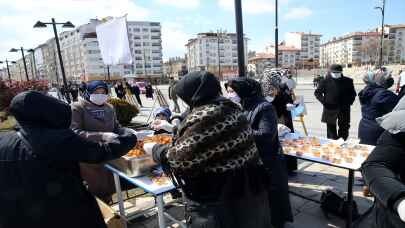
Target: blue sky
column 182, row 19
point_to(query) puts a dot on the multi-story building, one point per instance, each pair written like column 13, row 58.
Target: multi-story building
column 215, row 52
column 352, row 49
column 259, row 62
column 175, row 67
column 145, row 41
column 308, row 45
column 288, row 56
column 394, row 43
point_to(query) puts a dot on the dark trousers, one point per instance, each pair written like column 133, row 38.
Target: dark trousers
column 176, row 106
column 138, row 98
column 343, row 122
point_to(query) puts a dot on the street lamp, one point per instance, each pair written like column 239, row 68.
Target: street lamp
column 23, row 57
column 67, row 24
column 8, row 68
column 382, row 9
column 276, row 36
column 33, row 68
column 240, row 38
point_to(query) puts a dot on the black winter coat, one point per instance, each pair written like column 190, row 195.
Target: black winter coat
column 280, row 104
column 384, row 173
column 40, row 178
column 335, row 95
column 263, row 121
column 375, row 101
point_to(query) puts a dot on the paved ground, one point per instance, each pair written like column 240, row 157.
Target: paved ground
column 310, row 181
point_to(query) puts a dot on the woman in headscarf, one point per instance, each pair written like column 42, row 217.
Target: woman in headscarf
column 384, row 173
column 376, row 100
column 214, row 160
column 93, row 118
column 276, row 93
column 263, row 121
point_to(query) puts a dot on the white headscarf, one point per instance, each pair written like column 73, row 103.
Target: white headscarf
column 394, row 122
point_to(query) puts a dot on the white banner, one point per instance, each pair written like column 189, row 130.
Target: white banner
column 113, row 42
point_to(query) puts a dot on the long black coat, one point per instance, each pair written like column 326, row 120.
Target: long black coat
column 384, row 173
column 263, row 121
column 40, row 178
column 375, row 101
column 335, row 95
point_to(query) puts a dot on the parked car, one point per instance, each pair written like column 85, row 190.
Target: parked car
column 141, row 86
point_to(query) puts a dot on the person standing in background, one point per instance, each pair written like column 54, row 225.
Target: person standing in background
column 136, row 92
column 149, row 91
column 336, row 93
column 376, row 100
column 401, row 84
column 120, row 90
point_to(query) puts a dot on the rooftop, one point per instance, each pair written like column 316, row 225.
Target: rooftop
column 262, row 55
column 305, row 33
column 350, row 35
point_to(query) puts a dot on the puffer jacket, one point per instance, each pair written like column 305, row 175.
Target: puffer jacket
column 39, row 167
column 375, row 101
column 384, row 173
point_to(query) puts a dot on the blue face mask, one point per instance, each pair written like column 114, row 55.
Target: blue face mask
column 233, row 96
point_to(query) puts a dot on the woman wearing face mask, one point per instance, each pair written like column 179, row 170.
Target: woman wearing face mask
column 214, row 160
column 95, row 120
column 277, row 93
column 384, row 173
column 263, row 121
column 376, row 100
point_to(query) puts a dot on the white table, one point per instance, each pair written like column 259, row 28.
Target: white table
column 147, row 185
column 351, row 167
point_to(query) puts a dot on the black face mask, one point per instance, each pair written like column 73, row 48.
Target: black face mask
column 389, row 83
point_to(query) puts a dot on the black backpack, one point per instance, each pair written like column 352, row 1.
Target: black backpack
column 333, row 203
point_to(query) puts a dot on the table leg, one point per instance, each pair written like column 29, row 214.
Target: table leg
column 349, row 218
column 160, row 207
column 119, row 197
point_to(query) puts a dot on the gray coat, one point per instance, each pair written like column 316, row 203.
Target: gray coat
column 90, row 122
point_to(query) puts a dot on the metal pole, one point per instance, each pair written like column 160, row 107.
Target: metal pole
column 349, row 217
column 219, row 58
column 8, row 71
column 108, row 73
column 382, row 33
column 25, row 64
column 276, row 36
column 62, row 69
column 240, row 39
column 35, row 65
column 32, row 69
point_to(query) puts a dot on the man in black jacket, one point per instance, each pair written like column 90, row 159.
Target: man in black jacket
column 39, row 166
column 336, row 93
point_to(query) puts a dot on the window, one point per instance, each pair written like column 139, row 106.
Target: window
column 138, row 65
column 138, row 58
column 155, row 37
column 146, row 36
column 145, row 30
column 137, row 29
column 137, row 37
column 138, row 52
column 137, row 44
column 154, row 24
column 147, row 65
column 146, row 43
column 155, row 30
column 156, row 51
column 156, row 44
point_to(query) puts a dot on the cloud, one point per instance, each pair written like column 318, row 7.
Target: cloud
column 182, row 4
column 251, row 6
column 298, row 13
column 174, row 39
column 17, row 18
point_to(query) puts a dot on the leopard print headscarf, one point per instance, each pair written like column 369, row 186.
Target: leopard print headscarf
column 213, row 138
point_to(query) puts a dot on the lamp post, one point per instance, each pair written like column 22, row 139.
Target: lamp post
column 34, row 68
column 67, row 24
column 8, row 68
column 23, row 58
column 382, row 9
column 240, row 40
column 276, row 36
column 219, row 33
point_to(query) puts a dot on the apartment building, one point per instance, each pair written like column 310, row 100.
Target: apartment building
column 214, row 52
column 308, row 45
column 175, row 67
column 394, row 44
column 145, row 41
column 288, row 56
column 259, row 62
column 352, row 49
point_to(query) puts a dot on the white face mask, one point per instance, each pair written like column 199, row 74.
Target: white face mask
column 234, row 97
column 335, row 75
column 98, row 99
column 269, row 99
